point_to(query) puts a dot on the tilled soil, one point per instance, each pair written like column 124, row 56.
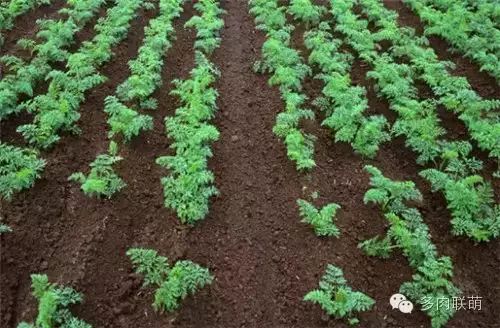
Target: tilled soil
column 263, row 258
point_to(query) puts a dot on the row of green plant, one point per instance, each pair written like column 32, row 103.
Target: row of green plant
column 408, row 233
column 9, row 11
column 473, row 34
column 478, row 22
column 470, row 198
column 306, row 11
column 454, row 92
column 473, row 6
column 58, row 108
column 417, row 121
column 485, row 8
column 288, row 73
column 190, row 184
column 50, row 46
column 145, row 75
column 19, row 168
column 174, row 284
column 334, row 296
column 125, row 122
column 343, row 103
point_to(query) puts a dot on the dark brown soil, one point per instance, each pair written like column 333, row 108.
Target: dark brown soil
column 263, row 258
column 25, row 26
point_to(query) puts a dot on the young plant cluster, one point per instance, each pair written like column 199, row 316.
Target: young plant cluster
column 470, row 199
column 343, row 102
column 306, row 11
column 207, row 25
column 337, row 298
column 4, row 228
column 417, row 120
column 174, row 283
column 473, row 34
column 9, row 11
column 287, row 72
column 126, row 121
column 19, row 167
column 410, row 234
column 190, row 184
column 488, row 8
column 321, row 220
column 55, row 37
column 102, row 179
column 53, row 303
column 57, row 109
column 454, row 92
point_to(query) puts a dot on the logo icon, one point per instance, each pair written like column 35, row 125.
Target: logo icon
column 399, row 301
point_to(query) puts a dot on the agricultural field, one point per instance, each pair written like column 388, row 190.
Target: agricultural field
column 249, row 163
